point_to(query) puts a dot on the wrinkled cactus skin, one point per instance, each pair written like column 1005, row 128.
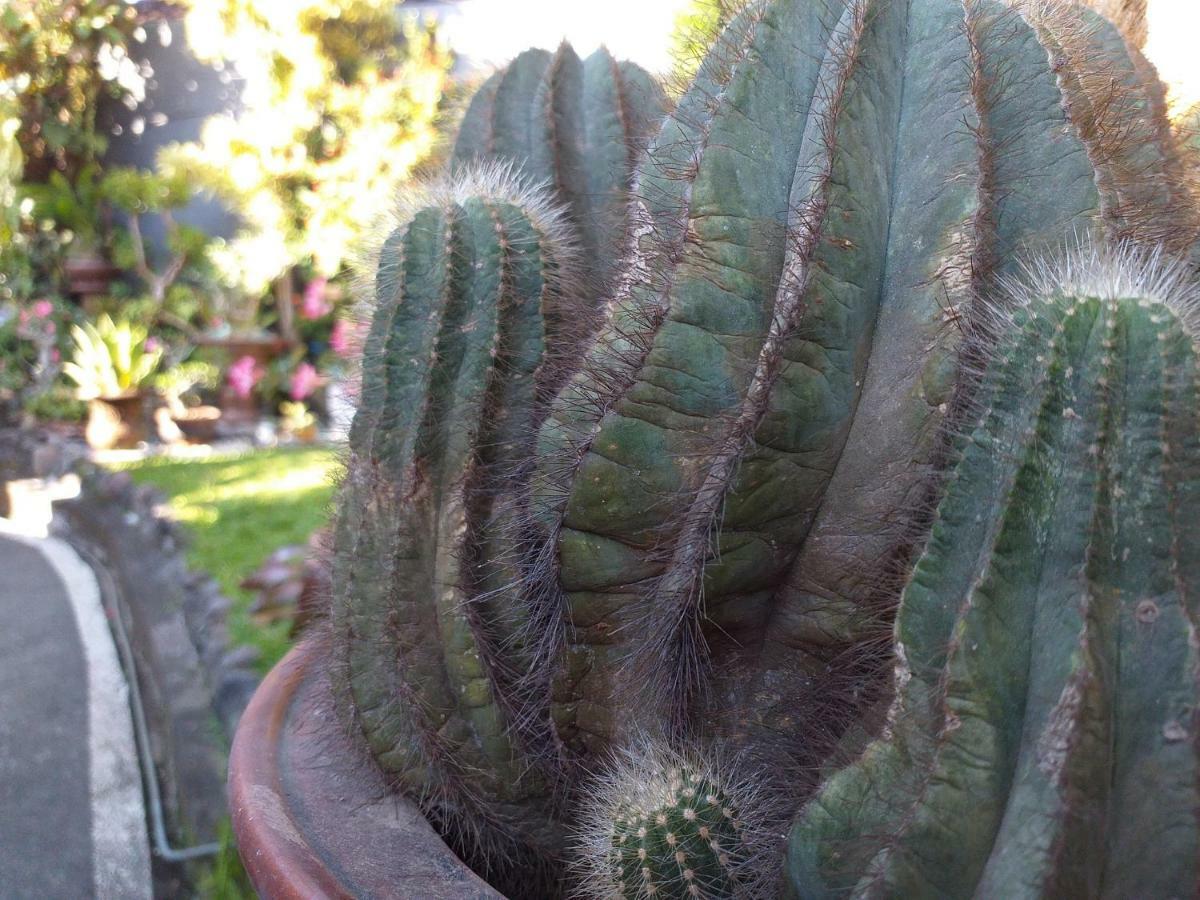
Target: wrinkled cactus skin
column 1043, row 739
column 756, row 428
column 470, row 291
column 677, row 490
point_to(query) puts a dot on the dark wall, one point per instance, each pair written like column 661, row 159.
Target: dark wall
column 180, row 95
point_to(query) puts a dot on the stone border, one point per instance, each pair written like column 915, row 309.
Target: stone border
column 134, row 533
column 193, row 686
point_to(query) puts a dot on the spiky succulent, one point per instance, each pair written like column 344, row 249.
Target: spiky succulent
column 664, row 824
column 690, row 508
column 1043, row 737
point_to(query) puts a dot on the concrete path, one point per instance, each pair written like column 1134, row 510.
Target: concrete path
column 72, row 823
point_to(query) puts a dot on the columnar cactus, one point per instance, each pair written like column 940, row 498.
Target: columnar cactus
column 1043, row 739
column 695, row 520
column 471, row 290
column 728, row 483
column 577, row 125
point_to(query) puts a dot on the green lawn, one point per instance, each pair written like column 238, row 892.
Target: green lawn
column 237, row 510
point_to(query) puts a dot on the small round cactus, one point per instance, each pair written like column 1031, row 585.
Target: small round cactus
column 663, row 824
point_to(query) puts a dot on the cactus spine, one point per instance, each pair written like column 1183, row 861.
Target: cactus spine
column 694, row 518
column 577, row 125
column 1042, row 742
column 757, row 425
column 661, row 824
column 471, row 289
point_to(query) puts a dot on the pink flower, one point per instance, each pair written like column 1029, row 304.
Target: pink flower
column 43, row 308
column 304, row 381
column 314, row 305
column 243, row 375
column 55, row 356
column 339, row 338
column 152, row 344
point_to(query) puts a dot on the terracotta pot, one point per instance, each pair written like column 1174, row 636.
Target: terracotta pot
column 308, row 434
column 89, row 275
column 313, row 818
column 116, row 422
column 198, row 424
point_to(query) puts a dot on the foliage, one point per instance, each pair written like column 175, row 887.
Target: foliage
column 238, row 510
column 225, row 878
column 76, row 207
column 184, row 380
column 58, row 59
column 58, row 403
column 697, row 27
column 183, row 290
column 339, row 102
column 111, row 359
column 31, row 348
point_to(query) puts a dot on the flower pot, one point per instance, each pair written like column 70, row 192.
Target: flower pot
column 116, row 422
column 89, row 275
column 313, row 819
column 198, row 424
column 305, row 434
column 238, row 412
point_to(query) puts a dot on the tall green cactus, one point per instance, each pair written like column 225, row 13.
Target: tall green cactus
column 579, row 125
column 1043, row 739
column 738, row 467
column 471, row 290
column 696, row 520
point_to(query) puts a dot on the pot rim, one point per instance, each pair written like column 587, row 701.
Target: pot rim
column 313, row 820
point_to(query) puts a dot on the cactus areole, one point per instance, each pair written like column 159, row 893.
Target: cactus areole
column 662, row 412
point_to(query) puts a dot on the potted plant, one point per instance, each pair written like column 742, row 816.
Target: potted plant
column 183, row 415
column 819, row 560
column 78, row 211
column 111, row 365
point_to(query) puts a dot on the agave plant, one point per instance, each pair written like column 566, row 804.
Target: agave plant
column 666, row 466
column 111, row 359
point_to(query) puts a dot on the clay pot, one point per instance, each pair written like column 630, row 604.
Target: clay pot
column 313, row 818
column 89, row 275
column 198, row 423
column 116, row 422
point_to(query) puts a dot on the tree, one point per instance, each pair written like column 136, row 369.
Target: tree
column 338, row 100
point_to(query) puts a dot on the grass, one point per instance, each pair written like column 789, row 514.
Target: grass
column 238, row 509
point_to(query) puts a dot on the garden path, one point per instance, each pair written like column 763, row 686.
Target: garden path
column 72, row 823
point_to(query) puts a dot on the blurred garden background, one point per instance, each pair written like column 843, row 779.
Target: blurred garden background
column 184, row 190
